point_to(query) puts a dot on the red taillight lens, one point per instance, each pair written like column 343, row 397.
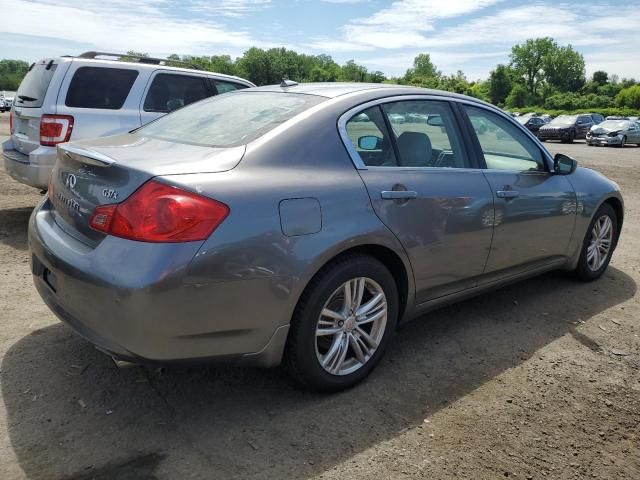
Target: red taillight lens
column 55, row 129
column 160, row 213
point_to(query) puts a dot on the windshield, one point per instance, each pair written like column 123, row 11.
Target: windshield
column 615, row 124
column 34, row 85
column 229, row 120
column 564, row 120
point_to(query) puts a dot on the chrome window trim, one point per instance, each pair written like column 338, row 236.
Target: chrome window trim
column 360, row 165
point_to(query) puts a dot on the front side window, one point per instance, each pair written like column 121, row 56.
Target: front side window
column 100, row 87
column 168, row 92
column 229, row 120
column 224, row 87
column 504, row 145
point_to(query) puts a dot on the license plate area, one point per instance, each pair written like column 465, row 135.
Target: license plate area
column 38, row 269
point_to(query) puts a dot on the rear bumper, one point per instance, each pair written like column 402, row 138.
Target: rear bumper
column 132, row 300
column 33, row 169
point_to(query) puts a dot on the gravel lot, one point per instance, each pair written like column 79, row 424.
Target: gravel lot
column 519, row 383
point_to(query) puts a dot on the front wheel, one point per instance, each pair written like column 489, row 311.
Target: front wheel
column 342, row 324
column 622, row 142
column 598, row 244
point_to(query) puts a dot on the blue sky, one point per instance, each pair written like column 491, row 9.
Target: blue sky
column 470, row 35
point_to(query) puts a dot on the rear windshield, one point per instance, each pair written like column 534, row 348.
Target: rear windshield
column 34, row 86
column 229, row 120
column 100, row 87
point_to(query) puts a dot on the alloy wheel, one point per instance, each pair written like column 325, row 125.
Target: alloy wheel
column 351, row 326
column 600, row 243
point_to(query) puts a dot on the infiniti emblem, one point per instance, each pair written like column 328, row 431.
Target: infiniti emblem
column 70, row 181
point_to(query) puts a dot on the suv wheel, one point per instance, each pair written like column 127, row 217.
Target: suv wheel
column 342, row 324
column 598, row 244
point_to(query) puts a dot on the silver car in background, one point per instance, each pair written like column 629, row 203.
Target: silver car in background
column 299, row 223
column 73, row 98
column 614, row 133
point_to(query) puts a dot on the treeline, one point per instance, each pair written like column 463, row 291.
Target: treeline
column 541, row 75
column 11, row 73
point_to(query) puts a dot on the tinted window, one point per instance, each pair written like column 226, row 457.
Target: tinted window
column 504, row 145
column 585, row 119
column 224, row 87
column 34, row 85
column 425, row 133
column 369, row 135
column 96, row 87
column 229, row 120
column 169, row 92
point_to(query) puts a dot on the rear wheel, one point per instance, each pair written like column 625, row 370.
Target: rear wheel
column 342, row 324
column 598, row 244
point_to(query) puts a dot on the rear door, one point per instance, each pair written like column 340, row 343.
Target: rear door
column 169, row 90
column 425, row 189
column 36, row 95
column 534, row 209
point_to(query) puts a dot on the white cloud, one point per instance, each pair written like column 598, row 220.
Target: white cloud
column 142, row 25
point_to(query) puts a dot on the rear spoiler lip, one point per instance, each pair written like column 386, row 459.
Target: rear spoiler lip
column 88, row 156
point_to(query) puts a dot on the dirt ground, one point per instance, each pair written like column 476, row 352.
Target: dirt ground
column 521, row 383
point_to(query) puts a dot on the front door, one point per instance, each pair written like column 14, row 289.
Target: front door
column 425, row 189
column 535, row 210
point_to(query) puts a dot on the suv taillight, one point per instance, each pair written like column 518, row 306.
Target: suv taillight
column 157, row 212
column 55, row 129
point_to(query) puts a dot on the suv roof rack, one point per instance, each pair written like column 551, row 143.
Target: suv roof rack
column 140, row 59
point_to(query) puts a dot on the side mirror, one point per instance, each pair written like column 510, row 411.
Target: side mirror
column 563, row 164
column 369, row 142
column 435, row 121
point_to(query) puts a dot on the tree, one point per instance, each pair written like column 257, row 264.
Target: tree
column 564, row 68
column 519, row 97
column 528, row 59
column 629, row 97
column 352, row 72
column 499, row 84
column 600, row 77
column 11, row 73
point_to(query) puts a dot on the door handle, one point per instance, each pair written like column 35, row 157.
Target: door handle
column 398, row 194
column 507, row 194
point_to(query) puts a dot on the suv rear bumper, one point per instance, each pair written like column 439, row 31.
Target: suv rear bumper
column 33, row 169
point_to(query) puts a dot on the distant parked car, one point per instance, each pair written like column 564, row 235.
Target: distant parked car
column 566, row 128
column 614, row 132
column 533, row 124
column 617, row 117
column 73, row 98
column 3, row 106
column 596, row 117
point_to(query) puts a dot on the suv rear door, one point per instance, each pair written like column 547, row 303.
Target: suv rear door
column 169, row 90
column 36, row 95
column 102, row 97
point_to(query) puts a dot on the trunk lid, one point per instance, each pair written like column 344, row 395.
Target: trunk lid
column 108, row 170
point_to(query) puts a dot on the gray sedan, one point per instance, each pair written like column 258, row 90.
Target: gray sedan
column 614, row 132
column 301, row 223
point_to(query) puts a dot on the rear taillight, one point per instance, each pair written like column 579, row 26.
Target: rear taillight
column 157, row 212
column 55, row 129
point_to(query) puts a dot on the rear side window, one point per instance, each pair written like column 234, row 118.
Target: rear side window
column 98, row 87
column 34, row 86
column 168, row 92
column 229, row 120
column 224, row 87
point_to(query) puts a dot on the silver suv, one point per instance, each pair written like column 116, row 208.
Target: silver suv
column 93, row 96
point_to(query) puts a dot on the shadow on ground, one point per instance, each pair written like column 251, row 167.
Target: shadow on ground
column 73, row 415
column 13, row 227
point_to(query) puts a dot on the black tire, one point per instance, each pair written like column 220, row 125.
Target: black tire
column 583, row 271
column 300, row 356
column 622, row 144
column 572, row 137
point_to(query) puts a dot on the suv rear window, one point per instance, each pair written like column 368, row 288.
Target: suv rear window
column 99, row 87
column 34, row 86
column 229, row 120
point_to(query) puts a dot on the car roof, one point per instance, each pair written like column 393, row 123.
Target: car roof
column 336, row 89
column 149, row 66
